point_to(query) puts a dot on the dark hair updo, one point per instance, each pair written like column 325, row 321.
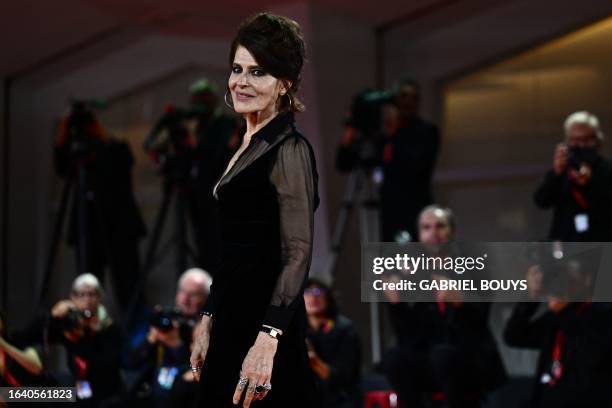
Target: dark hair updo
column 277, row 45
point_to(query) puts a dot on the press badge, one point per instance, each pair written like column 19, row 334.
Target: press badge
column 166, row 377
column 83, row 390
column 581, row 222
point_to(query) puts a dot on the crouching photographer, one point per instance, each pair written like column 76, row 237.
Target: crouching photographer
column 162, row 356
column 92, row 342
column 572, row 333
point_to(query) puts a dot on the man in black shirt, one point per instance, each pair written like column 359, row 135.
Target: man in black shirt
column 162, row 354
column 445, row 351
column 91, row 339
column 105, row 225
column 400, row 142
column 573, row 340
column 579, row 186
column 409, row 158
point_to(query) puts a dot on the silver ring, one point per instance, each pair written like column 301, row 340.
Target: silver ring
column 194, row 369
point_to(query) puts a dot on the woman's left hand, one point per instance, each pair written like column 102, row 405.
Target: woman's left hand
column 257, row 369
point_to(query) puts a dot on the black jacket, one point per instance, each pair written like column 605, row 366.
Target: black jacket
column 585, row 353
column 408, row 159
column 101, row 352
column 426, row 326
column 555, row 192
column 340, row 349
column 408, row 172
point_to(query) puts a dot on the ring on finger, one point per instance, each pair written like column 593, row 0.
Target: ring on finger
column 260, row 388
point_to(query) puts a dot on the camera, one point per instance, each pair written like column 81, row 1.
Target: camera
column 366, row 110
column 567, row 271
column 577, row 156
column 365, row 117
column 163, row 318
column 72, row 319
column 80, row 126
column 174, row 153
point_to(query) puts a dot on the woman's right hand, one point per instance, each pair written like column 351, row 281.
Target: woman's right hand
column 199, row 349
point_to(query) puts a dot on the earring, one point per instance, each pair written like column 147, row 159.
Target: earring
column 229, row 105
column 290, row 101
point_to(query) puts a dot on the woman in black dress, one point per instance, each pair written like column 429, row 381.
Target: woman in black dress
column 254, row 321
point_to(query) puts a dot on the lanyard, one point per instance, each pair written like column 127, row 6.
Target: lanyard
column 81, row 366
column 556, row 368
column 577, row 194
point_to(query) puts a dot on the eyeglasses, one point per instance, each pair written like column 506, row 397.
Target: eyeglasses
column 314, row 291
column 91, row 295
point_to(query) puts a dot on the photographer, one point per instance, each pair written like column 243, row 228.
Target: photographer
column 334, row 349
column 579, row 186
column 409, row 161
column 446, row 351
column 105, row 224
column 162, row 357
column 92, row 342
column 573, row 337
column 385, row 130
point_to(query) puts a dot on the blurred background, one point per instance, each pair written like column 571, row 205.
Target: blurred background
column 497, row 77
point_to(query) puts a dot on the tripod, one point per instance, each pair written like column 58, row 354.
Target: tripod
column 78, row 175
column 183, row 250
column 360, row 192
column 178, row 159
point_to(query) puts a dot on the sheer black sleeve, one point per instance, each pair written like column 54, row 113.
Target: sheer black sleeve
column 294, row 176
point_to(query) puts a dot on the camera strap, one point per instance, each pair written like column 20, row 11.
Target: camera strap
column 577, row 194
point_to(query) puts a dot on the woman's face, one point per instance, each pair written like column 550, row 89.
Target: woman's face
column 253, row 89
column 315, row 300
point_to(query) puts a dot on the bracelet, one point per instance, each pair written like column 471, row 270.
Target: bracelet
column 271, row 331
column 202, row 314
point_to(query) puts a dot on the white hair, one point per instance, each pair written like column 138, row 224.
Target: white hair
column 440, row 212
column 584, row 118
column 199, row 275
column 87, row 279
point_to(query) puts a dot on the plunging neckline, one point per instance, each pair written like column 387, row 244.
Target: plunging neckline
column 268, row 135
column 232, row 164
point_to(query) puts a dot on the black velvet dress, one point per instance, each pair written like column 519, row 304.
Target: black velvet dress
column 266, row 202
